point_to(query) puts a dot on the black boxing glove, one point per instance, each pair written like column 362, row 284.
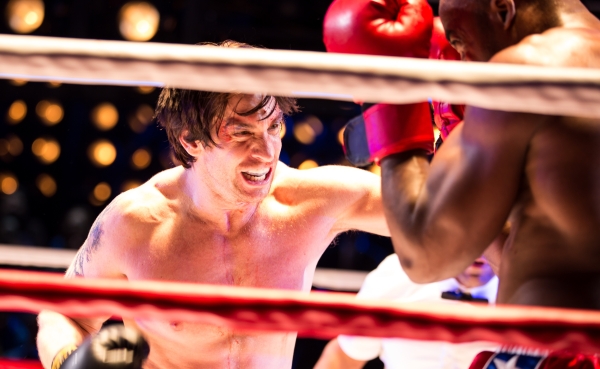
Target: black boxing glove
column 114, row 347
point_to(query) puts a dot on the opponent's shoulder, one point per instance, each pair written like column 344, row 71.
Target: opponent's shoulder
column 556, row 47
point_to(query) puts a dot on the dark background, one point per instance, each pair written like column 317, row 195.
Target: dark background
column 27, row 217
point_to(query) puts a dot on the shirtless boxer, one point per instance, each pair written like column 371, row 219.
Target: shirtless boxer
column 231, row 215
column 539, row 171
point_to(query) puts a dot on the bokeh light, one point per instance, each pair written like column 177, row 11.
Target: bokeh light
column 375, row 169
column 308, row 164
column 3, row 147
column 25, row 16
column 16, row 112
column 102, row 153
column 18, row 82
column 46, row 184
column 10, row 147
column 138, row 21
column 102, row 192
column 54, row 84
column 105, row 116
column 142, row 117
column 50, row 112
column 145, row 90
column 130, row 185
column 8, row 183
column 141, row 159
column 283, row 130
column 307, row 130
column 15, row 145
column 340, row 135
column 47, row 150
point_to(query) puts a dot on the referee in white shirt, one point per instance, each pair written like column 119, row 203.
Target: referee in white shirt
column 389, row 282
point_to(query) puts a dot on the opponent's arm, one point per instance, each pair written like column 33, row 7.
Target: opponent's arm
column 443, row 215
column 95, row 259
column 333, row 357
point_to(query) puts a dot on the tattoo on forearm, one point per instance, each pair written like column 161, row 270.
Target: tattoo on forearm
column 90, row 246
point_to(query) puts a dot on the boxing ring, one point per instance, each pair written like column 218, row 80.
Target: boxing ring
column 519, row 88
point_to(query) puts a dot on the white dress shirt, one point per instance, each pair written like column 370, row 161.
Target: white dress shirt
column 389, row 282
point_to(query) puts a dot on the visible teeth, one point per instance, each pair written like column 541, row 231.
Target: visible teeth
column 255, row 177
column 257, row 174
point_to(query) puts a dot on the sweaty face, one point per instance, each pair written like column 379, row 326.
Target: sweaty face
column 471, row 29
column 476, row 274
column 241, row 168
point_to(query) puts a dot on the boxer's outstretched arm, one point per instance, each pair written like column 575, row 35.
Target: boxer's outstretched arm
column 95, row 259
column 443, row 215
column 351, row 196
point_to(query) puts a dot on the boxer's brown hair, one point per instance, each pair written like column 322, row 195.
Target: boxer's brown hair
column 199, row 113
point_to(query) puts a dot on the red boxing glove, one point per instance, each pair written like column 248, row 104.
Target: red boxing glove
column 391, row 129
column 446, row 116
column 440, row 47
column 391, row 28
column 379, row 27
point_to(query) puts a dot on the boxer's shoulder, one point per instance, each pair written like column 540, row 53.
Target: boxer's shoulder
column 557, row 47
column 150, row 203
column 326, row 181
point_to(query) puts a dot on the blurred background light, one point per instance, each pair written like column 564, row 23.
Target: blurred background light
column 16, row 112
column 11, row 146
column 50, row 112
column 54, row 84
column 3, row 147
column 8, row 183
column 340, row 135
column 145, row 90
column 141, row 159
column 46, row 184
column 130, row 184
column 15, row 145
column 308, row 164
column 105, row 116
column 18, row 82
column 47, row 150
column 375, row 169
column 138, row 21
column 142, row 117
column 101, row 192
column 307, row 129
column 25, row 16
column 102, row 153
column 283, row 130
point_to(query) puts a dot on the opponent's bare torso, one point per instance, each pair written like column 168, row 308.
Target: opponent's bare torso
column 279, row 248
column 552, row 257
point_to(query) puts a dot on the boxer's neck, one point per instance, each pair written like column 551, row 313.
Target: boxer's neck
column 213, row 207
column 573, row 14
column 536, row 19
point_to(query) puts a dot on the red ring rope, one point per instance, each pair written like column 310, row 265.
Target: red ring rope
column 19, row 364
column 322, row 315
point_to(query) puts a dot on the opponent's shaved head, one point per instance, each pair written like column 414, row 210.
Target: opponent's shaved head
column 479, row 29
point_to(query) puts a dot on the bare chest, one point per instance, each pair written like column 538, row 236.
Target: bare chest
column 273, row 252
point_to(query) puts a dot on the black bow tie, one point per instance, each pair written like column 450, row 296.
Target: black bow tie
column 462, row 296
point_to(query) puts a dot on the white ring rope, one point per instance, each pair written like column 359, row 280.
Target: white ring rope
column 45, row 257
column 544, row 90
